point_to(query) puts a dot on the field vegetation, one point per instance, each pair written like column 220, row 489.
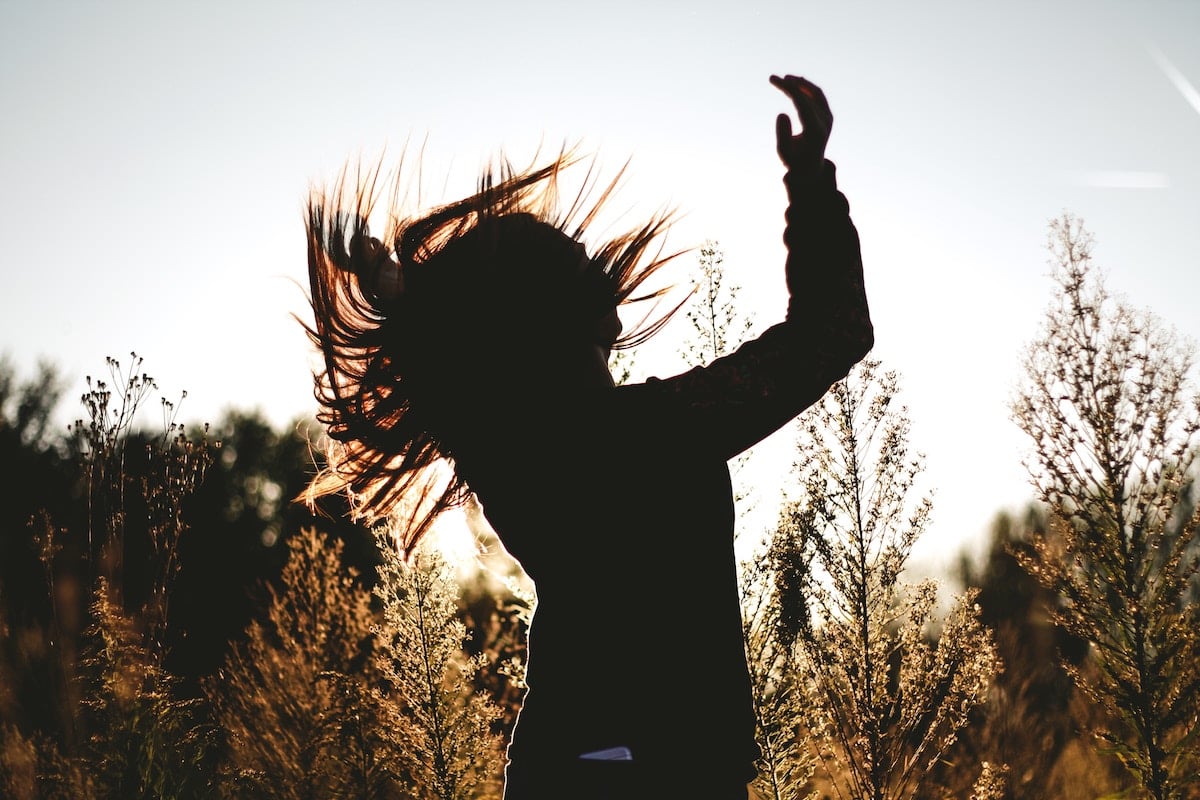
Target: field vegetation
column 174, row 625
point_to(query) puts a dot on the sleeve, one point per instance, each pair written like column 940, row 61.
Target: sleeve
column 740, row 399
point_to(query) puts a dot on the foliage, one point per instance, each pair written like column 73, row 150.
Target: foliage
column 718, row 326
column 123, row 728
column 362, row 676
column 139, row 493
column 1029, row 721
column 623, row 366
column 355, row 753
column 1113, row 421
column 239, row 522
column 277, row 686
column 448, row 738
column 781, row 704
column 145, row 741
column 26, row 407
column 127, row 726
column 889, row 702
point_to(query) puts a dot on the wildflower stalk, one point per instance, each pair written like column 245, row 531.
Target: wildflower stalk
column 785, row 765
column 891, row 682
column 1114, row 422
column 283, row 693
column 448, row 736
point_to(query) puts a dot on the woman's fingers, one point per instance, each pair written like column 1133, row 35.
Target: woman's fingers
column 811, row 103
column 783, row 134
column 807, row 148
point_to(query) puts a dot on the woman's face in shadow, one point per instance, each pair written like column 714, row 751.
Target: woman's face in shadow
column 604, row 333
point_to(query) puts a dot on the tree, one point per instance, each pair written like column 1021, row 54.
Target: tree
column 26, row 409
column 1113, row 419
column 889, row 698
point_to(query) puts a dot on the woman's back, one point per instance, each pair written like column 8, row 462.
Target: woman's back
column 624, row 526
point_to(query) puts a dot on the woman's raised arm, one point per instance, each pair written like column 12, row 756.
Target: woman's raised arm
column 736, row 401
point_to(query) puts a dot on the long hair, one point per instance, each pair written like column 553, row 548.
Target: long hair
column 395, row 391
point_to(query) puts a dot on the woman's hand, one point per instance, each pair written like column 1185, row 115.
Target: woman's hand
column 804, row 152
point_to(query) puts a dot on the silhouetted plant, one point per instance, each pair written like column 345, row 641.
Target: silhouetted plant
column 448, row 740
column 1114, row 423
column 33, row 768
column 781, row 704
column 140, row 493
column 717, row 328
column 888, row 699
column 125, row 728
column 282, row 699
column 145, row 741
column 126, row 731
column 1025, row 723
column 355, row 751
column 718, row 325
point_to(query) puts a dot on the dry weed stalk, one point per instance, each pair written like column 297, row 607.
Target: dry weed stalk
column 891, row 682
column 1114, row 423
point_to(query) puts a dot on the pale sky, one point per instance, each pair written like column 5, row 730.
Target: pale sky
column 155, row 157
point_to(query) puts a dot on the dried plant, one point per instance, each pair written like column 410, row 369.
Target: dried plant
column 991, row 783
column 1028, row 722
column 18, row 764
column 145, row 739
column 354, row 751
column 34, row 768
column 718, row 327
column 125, row 728
column 1113, row 420
column 889, row 699
column 278, row 696
column 781, row 707
column 448, row 738
column 717, row 324
column 141, row 493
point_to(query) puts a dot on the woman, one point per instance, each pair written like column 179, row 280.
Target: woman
column 479, row 336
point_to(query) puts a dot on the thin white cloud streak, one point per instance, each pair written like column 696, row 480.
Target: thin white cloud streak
column 1121, row 179
column 1177, row 78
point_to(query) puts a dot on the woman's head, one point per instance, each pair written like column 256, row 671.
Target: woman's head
column 421, row 331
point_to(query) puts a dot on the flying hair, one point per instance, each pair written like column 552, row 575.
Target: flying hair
column 406, row 325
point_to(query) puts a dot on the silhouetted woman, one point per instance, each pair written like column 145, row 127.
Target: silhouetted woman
column 479, row 336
